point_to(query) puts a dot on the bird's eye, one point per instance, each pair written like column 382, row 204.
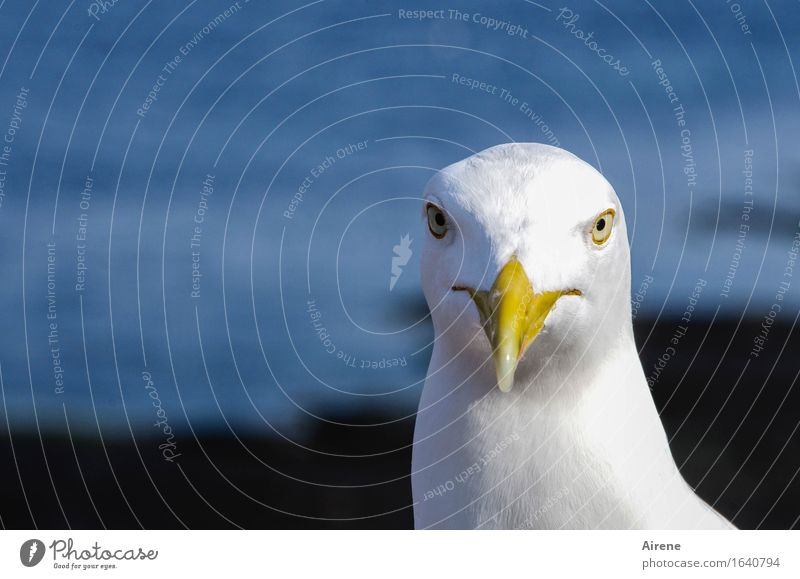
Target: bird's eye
column 437, row 222
column 603, row 225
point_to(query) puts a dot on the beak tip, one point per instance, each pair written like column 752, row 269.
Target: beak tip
column 505, row 382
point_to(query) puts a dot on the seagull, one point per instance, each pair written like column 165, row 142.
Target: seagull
column 536, row 413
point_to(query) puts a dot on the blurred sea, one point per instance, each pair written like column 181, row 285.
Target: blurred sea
column 226, row 243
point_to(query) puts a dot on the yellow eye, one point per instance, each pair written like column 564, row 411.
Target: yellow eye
column 603, row 225
column 437, row 222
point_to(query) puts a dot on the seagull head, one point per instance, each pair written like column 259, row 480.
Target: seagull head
column 526, row 255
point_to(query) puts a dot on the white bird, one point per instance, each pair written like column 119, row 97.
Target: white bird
column 536, row 412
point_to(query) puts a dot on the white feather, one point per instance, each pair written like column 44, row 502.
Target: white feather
column 578, row 442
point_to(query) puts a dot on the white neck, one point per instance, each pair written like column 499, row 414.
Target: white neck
column 575, row 445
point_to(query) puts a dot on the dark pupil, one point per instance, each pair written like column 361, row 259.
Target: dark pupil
column 601, row 224
column 439, row 219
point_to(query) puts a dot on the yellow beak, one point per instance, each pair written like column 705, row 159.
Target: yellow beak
column 513, row 315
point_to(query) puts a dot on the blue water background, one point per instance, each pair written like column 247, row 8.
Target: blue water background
column 266, row 97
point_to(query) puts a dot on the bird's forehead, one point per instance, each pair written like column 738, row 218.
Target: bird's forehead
column 559, row 191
